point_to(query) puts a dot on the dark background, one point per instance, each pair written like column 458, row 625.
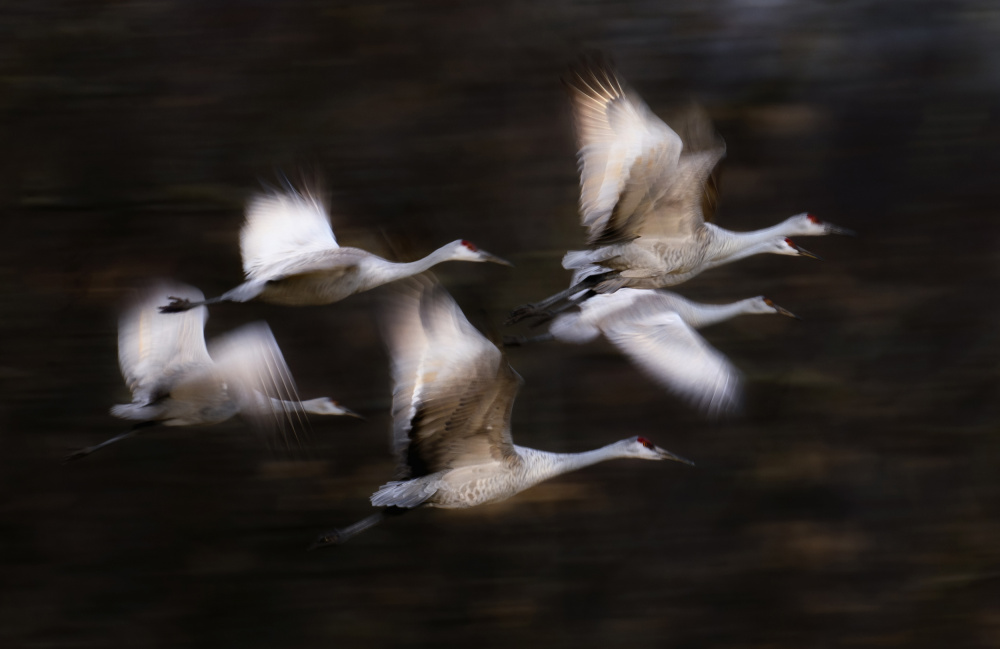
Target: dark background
column 855, row 503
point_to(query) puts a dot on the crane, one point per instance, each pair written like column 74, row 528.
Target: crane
column 452, row 400
column 655, row 329
column 176, row 380
column 643, row 189
column 291, row 257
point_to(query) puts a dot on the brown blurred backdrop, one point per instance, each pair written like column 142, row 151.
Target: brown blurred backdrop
column 855, row 503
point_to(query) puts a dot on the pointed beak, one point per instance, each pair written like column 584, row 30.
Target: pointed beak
column 667, row 455
column 781, row 311
column 347, row 412
column 805, row 253
column 836, row 229
column 496, row 260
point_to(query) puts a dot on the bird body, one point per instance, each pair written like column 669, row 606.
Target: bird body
column 655, row 329
column 452, row 401
column 650, row 262
column 291, row 257
column 644, row 189
column 491, row 482
column 178, row 380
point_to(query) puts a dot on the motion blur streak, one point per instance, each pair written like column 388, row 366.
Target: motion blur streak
column 855, row 502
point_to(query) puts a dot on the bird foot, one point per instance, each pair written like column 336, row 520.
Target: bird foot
column 78, row 454
column 520, row 313
column 177, row 305
column 333, row 537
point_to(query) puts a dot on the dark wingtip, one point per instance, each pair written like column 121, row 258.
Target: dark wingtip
column 177, row 305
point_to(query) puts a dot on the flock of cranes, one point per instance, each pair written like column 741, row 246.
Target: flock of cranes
column 643, row 197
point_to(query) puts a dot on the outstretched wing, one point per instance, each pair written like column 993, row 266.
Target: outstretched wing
column 674, row 355
column 152, row 345
column 249, row 362
column 281, row 226
column 638, row 176
column 622, row 147
column 453, row 389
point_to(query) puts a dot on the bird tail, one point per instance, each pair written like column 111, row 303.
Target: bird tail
column 578, row 259
column 403, row 493
column 134, row 411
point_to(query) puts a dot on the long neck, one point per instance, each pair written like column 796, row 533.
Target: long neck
column 264, row 402
column 729, row 246
column 704, row 315
column 310, row 405
column 386, row 271
column 543, row 465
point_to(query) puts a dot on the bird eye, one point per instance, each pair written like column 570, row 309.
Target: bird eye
column 645, row 442
column 471, row 246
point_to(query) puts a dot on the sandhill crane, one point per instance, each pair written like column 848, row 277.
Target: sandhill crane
column 290, row 256
column 642, row 188
column 175, row 381
column 451, row 407
column 656, row 331
column 593, row 279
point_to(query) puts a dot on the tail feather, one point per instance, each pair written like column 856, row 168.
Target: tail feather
column 579, row 258
column 403, row 493
column 135, row 411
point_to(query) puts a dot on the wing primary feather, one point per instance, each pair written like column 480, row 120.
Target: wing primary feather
column 276, row 368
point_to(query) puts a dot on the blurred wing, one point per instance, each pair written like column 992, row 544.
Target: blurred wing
column 624, row 151
column 675, row 210
column 674, row 355
column 280, row 226
column 695, row 129
column 249, row 362
column 453, row 389
column 152, row 344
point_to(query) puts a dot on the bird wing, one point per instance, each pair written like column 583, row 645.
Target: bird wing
column 675, row 207
column 152, row 345
column 280, row 226
column 249, row 363
column 453, row 389
column 674, row 355
column 623, row 150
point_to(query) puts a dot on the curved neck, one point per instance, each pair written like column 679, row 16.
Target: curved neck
column 704, row 315
column 542, row 465
column 389, row 271
column 315, row 406
column 728, row 245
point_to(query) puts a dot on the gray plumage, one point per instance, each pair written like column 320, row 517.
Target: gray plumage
column 643, row 188
column 291, row 257
column 178, row 380
column 452, row 400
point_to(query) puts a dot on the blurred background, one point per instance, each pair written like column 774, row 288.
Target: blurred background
column 856, row 502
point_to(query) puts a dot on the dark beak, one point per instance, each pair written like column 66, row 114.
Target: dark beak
column 806, row 253
column 496, row 260
column 781, row 311
column 350, row 413
column 667, row 455
column 836, row 229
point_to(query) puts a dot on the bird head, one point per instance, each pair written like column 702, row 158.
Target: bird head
column 784, row 246
column 643, row 449
column 807, row 224
column 463, row 250
column 761, row 304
